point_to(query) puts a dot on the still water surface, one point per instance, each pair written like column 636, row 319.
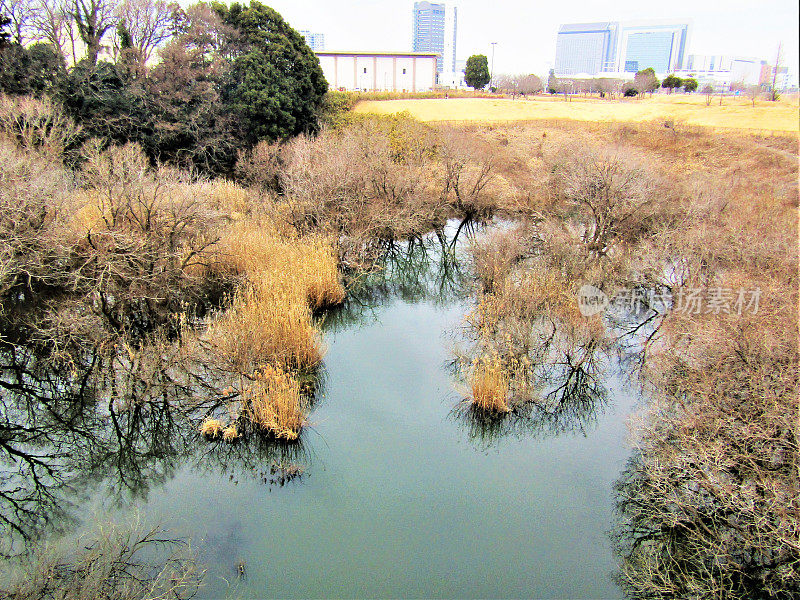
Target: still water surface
column 401, row 496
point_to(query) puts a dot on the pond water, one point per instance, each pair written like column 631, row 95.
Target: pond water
column 400, row 495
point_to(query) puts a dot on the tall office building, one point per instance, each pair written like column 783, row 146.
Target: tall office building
column 435, row 28
column 315, row 41
column 656, row 45
column 614, row 47
column 586, row 48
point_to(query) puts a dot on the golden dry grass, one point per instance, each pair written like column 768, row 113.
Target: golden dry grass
column 265, row 324
column 270, row 318
column 304, row 267
column 230, row 433
column 273, row 402
column 488, row 382
column 267, row 331
column 211, row 428
column 691, row 109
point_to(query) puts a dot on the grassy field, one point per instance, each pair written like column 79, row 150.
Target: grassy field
column 735, row 113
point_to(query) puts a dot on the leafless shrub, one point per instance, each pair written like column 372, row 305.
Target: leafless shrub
column 321, row 175
column 371, row 179
column 37, row 124
column 494, row 257
column 261, row 166
column 115, row 567
column 709, row 505
column 141, row 232
column 525, row 335
column 117, row 255
column 33, row 190
column 468, row 170
column 612, row 192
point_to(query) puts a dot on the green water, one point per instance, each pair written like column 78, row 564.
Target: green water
column 401, row 496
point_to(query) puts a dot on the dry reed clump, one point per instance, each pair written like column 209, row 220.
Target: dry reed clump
column 211, row 428
column 489, row 384
column 273, row 402
column 268, row 331
column 269, row 320
column 265, row 324
column 305, row 266
column 230, row 433
column 227, row 197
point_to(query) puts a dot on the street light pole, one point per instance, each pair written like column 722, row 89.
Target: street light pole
column 491, row 73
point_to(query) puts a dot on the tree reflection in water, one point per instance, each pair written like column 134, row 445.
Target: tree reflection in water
column 422, row 269
column 572, row 399
column 127, row 422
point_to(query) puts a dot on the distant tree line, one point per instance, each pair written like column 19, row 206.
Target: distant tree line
column 194, row 86
column 644, row 81
column 522, row 85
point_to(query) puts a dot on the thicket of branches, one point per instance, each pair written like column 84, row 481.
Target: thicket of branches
column 190, row 86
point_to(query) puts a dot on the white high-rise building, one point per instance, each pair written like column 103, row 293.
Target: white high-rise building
column 721, row 71
column 436, row 30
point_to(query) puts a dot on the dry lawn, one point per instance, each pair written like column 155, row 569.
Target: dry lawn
column 735, row 113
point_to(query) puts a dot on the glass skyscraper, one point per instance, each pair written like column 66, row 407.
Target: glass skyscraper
column 586, row 48
column 435, row 31
column 661, row 47
column 592, row 48
column 315, row 41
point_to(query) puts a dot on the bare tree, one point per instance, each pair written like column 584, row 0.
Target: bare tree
column 506, row 84
column 612, row 192
column 52, row 24
column 775, row 95
column 529, row 84
column 753, row 92
column 709, row 93
column 93, row 18
column 21, row 13
column 149, row 22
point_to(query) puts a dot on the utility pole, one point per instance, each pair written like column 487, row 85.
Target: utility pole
column 491, row 73
column 775, row 73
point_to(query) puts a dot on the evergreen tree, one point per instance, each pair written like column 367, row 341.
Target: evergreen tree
column 689, row 84
column 552, row 83
column 671, row 82
column 276, row 86
column 477, row 73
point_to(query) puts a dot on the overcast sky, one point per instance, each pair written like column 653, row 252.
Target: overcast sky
column 525, row 31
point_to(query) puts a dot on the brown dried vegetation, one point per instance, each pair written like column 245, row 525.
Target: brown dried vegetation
column 108, row 253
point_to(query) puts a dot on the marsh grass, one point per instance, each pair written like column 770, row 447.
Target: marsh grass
column 264, row 324
column 211, row 428
column 489, row 384
column 273, row 402
column 269, row 322
column 230, row 433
